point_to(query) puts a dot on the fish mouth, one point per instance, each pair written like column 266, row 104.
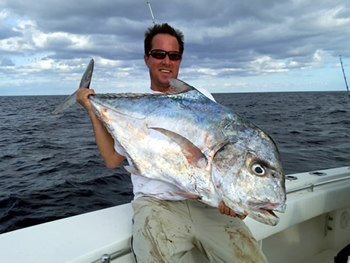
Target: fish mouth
column 265, row 216
column 266, row 213
column 270, row 212
column 270, row 207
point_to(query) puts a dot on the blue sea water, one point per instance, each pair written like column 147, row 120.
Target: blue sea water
column 50, row 167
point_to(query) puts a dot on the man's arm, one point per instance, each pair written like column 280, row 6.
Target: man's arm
column 104, row 140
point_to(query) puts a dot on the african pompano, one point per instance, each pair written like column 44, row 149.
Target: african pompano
column 184, row 138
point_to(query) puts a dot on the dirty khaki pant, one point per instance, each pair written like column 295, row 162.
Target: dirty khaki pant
column 167, row 231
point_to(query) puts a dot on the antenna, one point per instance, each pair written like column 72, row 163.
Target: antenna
column 346, row 83
column 150, row 9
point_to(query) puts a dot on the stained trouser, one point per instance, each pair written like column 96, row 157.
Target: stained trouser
column 167, row 231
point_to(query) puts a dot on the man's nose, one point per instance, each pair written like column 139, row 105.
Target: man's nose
column 166, row 60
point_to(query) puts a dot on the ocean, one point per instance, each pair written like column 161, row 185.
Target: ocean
column 50, row 167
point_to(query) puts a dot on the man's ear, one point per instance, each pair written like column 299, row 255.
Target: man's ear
column 146, row 58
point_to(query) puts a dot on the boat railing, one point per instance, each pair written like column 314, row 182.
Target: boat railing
column 106, row 258
column 312, row 186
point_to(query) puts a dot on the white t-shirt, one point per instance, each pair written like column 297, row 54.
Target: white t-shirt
column 143, row 186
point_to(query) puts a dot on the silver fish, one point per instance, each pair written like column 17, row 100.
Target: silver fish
column 184, row 138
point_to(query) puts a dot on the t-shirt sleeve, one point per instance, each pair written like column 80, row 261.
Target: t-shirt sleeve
column 119, row 149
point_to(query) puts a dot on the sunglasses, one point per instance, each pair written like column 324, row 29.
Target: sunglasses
column 160, row 54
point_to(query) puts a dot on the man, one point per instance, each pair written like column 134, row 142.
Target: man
column 165, row 226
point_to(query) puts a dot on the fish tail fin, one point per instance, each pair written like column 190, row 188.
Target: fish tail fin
column 69, row 101
column 84, row 83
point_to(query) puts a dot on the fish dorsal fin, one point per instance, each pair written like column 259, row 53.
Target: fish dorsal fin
column 192, row 153
column 178, row 86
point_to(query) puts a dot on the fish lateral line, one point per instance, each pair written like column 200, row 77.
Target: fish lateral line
column 176, row 87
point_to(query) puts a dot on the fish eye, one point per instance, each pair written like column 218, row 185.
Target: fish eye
column 258, row 169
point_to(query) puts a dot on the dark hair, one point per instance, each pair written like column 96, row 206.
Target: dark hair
column 163, row 29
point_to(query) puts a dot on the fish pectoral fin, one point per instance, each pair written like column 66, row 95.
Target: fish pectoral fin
column 188, row 195
column 192, row 153
column 132, row 170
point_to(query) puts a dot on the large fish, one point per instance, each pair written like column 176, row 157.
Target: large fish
column 184, row 138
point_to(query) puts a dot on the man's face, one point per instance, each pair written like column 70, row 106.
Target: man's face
column 162, row 69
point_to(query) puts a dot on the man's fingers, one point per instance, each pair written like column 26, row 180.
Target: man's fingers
column 232, row 213
column 227, row 211
column 222, row 207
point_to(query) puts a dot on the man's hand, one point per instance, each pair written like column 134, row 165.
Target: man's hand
column 225, row 210
column 83, row 98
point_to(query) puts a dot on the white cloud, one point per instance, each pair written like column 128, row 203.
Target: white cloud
column 226, row 42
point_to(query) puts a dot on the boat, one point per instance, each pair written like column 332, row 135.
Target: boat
column 314, row 228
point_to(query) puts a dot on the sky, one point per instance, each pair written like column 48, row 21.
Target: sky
column 230, row 45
